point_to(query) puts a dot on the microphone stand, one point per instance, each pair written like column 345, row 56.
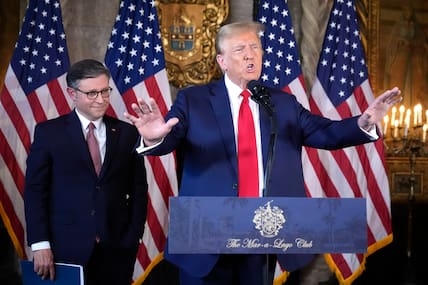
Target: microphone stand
column 271, row 153
column 269, row 163
column 264, row 101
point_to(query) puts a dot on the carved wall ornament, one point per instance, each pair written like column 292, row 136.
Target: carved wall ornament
column 188, row 31
column 368, row 17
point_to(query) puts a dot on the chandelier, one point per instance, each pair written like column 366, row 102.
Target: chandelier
column 405, row 130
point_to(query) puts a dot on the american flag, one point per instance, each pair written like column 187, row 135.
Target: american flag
column 136, row 60
column 332, row 174
column 281, row 66
column 33, row 91
column 281, row 62
column 341, row 90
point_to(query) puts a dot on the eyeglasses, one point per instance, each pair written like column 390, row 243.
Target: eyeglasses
column 93, row 94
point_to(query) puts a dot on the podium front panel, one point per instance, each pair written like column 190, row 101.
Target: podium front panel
column 276, row 225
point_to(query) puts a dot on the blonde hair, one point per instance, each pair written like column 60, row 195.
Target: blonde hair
column 232, row 29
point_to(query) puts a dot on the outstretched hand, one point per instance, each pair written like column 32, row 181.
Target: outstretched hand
column 149, row 121
column 379, row 108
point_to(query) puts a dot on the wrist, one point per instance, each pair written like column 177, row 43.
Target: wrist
column 151, row 142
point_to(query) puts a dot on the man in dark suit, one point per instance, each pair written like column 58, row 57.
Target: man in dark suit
column 203, row 123
column 76, row 213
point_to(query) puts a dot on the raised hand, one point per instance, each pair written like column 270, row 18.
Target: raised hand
column 379, row 108
column 149, row 121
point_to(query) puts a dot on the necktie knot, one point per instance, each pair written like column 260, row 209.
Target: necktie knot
column 246, row 94
column 91, row 126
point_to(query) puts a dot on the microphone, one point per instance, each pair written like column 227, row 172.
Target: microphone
column 260, row 95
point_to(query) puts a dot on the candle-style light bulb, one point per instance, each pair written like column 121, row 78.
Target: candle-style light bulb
column 395, row 135
column 424, row 133
column 426, row 116
column 406, row 126
column 401, row 109
column 393, row 112
column 408, row 115
column 418, row 114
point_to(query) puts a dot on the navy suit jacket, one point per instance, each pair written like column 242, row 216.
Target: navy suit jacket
column 206, row 136
column 68, row 205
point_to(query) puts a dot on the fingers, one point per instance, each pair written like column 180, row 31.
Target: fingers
column 144, row 107
column 47, row 271
column 136, row 108
column 140, row 108
column 391, row 97
column 44, row 264
column 52, row 272
column 394, row 94
column 149, row 120
column 153, row 105
column 172, row 122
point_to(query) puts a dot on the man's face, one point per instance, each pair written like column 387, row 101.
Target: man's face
column 241, row 58
column 92, row 109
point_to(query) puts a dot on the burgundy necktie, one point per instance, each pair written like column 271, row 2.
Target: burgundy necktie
column 248, row 176
column 94, row 150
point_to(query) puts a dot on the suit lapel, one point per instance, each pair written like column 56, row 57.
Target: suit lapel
column 221, row 108
column 78, row 140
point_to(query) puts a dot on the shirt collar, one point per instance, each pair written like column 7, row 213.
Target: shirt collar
column 233, row 89
column 85, row 122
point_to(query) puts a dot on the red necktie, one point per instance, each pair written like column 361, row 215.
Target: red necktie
column 93, row 148
column 248, row 176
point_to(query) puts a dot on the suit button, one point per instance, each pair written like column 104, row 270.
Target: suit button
column 98, row 188
column 93, row 213
column 235, row 186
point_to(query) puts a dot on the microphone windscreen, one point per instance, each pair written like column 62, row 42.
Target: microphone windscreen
column 254, row 86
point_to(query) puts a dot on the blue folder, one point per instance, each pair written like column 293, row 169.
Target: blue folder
column 65, row 274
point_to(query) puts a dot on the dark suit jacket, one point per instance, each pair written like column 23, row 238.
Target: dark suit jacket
column 206, row 136
column 68, row 205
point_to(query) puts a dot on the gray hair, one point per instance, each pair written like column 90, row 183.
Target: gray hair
column 232, row 29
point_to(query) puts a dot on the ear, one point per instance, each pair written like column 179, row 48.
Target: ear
column 72, row 93
column 221, row 62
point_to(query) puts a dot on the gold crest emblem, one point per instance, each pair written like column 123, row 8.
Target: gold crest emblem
column 188, row 36
column 268, row 220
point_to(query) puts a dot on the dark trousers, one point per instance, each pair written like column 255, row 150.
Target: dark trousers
column 110, row 266
column 236, row 269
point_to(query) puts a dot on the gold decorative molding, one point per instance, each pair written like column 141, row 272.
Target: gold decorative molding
column 189, row 29
column 368, row 16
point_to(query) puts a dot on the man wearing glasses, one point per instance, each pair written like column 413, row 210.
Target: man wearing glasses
column 85, row 187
